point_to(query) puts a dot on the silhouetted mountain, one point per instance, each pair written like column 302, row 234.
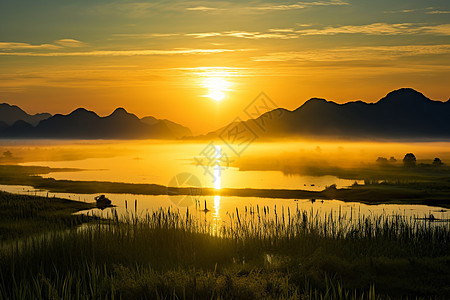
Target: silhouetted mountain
column 19, row 129
column 84, row 124
column 402, row 114
column 9, row 114
column 3, row 126
column 176, row 129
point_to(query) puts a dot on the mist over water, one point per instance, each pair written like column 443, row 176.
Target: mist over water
column 290, row 165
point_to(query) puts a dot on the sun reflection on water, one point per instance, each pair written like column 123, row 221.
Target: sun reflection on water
column 216, row 214
column 218, row 168
column 217, row 181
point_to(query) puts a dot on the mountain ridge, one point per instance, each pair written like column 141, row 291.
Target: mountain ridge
column 402, row 114
column 82, row 123
column 9, row 114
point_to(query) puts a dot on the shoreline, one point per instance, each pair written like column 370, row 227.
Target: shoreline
column 23, row 216
column 367, row 194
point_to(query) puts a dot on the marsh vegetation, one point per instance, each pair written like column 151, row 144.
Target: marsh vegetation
column 261, row 253
column 24, row 215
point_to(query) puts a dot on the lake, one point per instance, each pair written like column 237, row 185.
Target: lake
column 216, row 165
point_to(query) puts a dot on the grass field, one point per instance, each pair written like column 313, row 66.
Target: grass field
column 22, row 215
column 263, row 254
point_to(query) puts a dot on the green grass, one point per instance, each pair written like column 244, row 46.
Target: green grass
column 23, row 215
column 264, row 254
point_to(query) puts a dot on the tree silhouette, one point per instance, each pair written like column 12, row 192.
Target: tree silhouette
column 7, row 154
column 382, row 160
column 437, row 162
column 409, row 160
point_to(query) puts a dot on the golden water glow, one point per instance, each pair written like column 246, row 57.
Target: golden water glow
column 217, row 181
column 218, row 168
column 216, row 213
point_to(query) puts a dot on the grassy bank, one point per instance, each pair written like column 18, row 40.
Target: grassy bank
column 297, row 254
column 22, row 215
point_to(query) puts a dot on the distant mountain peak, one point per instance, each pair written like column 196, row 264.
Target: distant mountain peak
column 312, row 103
column 409, row 91
column 85, row 124
column 122, row 114
column 402, row 114
column 149, row 120
column 11, row 106
column 177, row 130
column 9, row 114
column 404, row 96
column 82, row 112
column 120, row 111
column 312, row 100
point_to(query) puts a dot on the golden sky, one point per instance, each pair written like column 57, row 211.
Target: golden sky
column 173, row 59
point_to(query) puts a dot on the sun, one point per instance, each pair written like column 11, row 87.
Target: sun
column 216, row 95
column 217, row 87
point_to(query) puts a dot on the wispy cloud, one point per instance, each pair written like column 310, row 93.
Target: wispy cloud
column 20, row 46
column 356, row 53
column 145, row 35
column 400, row 11
column 267, row 7
column 125, row 52
column 368, row 29
column 71, row 43
column 443, row 29
column 59, row 44
column 380, row 29
column 141, row 9
column 281, row 7
column 246, row 35
column 287, row 30
column 428, row 10
column 78, row 77
column 300, row 5
column 202, row 8
column 372, row 29
column 434, row 12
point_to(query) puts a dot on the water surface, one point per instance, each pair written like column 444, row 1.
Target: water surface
column 158, row 162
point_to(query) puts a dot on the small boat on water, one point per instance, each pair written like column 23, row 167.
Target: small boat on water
column 102, row 202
